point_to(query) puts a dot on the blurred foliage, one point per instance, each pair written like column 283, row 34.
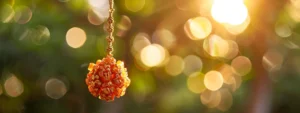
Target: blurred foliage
column 37, row 51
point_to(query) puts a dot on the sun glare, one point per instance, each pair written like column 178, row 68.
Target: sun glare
column 232, row 12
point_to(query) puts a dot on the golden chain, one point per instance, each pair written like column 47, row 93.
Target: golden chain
column 110, row 29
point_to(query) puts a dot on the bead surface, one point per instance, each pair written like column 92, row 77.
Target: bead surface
column 107, row 79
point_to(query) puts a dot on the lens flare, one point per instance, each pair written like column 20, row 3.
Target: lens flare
column 213, row 80
column 75, row 37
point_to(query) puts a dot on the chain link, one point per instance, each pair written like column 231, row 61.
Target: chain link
column 110, row 28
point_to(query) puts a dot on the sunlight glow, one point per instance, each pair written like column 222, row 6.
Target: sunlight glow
column 233, row 12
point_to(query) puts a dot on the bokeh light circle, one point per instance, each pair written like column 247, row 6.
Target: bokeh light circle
column 198, row 28
column 174, row 66
column 272, row 60
column 39, row 35
column 23, row 14
column 95, row 18
column 164, row 37
column 241, row 65
column 55, row 88
column 13, row 86
column 7, row 13
column 192, row 64
column 233, row 49
column 283, row 30
column 210, row 98
column 124, row 24
column 135, row 5
column 213, row 80
column 75, row 37
column 215, row 46
column 227, row 73
column 226, row 100
column 195, row 82
column 152, row 55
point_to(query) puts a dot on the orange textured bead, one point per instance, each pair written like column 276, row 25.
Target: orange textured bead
column 107, row 79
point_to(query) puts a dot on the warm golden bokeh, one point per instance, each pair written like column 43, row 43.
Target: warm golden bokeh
column 211, row 98
column 233, row 50
column 198, row 28
column 192, row 64
column 75, row 37
column 164, row 37
column 241, row 65
column 195, row 82
column 13, row 86
column 238, row 29
column 226, row 100
column 55, row 88
column 124, row 24
column 153, row 55
column 227, row 73
column 94, row 18
column 213, row 80
column 175, row 65
column 215, row 46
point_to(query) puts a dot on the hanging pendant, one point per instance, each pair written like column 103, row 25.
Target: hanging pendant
column 107, row 78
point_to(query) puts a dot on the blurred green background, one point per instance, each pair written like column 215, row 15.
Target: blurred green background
column 182, row 56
